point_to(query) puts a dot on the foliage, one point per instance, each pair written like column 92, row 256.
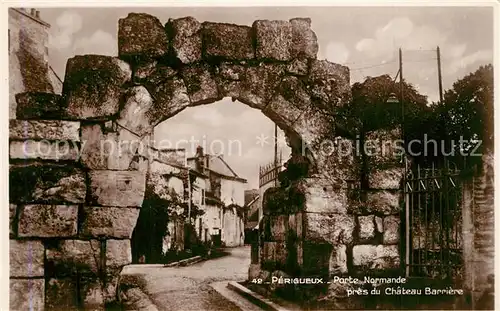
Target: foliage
column 467, row 111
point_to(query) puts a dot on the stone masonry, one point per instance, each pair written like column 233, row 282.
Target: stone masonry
column 76, row 185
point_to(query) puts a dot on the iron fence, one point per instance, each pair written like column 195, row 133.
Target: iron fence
column 433, row 222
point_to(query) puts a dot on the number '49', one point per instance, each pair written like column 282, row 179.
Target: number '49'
column 257, row 281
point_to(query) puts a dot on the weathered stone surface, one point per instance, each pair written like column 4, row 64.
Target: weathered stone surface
column 95, row 294
column 12, row 220
column 279, row 227
column 26, row 258
column 274, row 254
column 253, row 271
column 313, row 126
column 117, row 188
column 297, row 67
column 329, row 83
column 274, row 39
column 141, row 35
column 27, row 294
column 256, row 84
column 152, row 73
column 304, row 40
column 48, row 221
column 227, row 41
column 366, row 227
column 391, row 230
column 118, row 253
column 92, row 85
column 316, row 257
column 36, row 105
column 170, row 96
column 143, row 70
column 331, row 228
column 62, row 294
column 288, row 103
column 201, row 86
column 383, row 147
column 186, row 39
column 295, row 224
column 338, row 260
column 113, row 150
column 135, row 114
column 320, row 198
column 230, row 71
column 379, row 224
column 44, row 129
column 72, row 256
column 112, row 222
column 377, row 257
column 383, row 202
column 44, row 150
column 46, row 184
column 385, row 178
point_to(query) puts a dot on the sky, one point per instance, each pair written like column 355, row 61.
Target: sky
column 366, row 39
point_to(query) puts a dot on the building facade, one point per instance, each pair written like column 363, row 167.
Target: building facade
column 29, row 69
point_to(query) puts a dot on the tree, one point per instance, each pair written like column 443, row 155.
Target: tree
column 467, row 112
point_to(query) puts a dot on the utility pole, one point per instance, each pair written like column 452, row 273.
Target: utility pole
column 440, row 78
column 189, row 194
column 401, row 97
column 275, row 155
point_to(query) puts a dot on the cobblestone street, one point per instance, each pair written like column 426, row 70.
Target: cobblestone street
column 188, row 288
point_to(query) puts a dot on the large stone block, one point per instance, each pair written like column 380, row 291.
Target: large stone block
column 117, row 188
column 304, row 40
column 62, row 294
column 46, row 184
column 320, row 198
column 389, row 178
column 288, row 102
column 383, row 202
column 26, row 258
column 141, row 35
column 330, row 84
column 153, row 73
column 48, row 221
column 313, row 127
column 43, row 150
column 118, row 253
column 112, row 222
column 28, row 294
column 366, row 227
column 92, row 85
column 256, row 84
column 108, row 150
column 273, row 39
column 279, row 227
column 96, row 292
column 135, row 114
column 295, row 224
column 228, row 41
column 383, row 147
column 274, row 254
column 200, row 84
column 36, row 105
column 391, row 230
column 171, row 97
column 331, row 228
column 186, row 38
column 376, row 257
column 71, row 256
column 338, row 260
column 253, row 271
column 44, row 129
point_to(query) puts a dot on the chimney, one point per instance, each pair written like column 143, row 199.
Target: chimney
column 199, row 151
column 33, row 12
column 37, row 14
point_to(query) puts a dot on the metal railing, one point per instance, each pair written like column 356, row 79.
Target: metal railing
column 433, row 226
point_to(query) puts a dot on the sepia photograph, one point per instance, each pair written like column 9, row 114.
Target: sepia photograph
column 246, row 157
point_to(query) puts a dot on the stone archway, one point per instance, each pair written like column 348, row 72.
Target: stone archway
column 78, row 210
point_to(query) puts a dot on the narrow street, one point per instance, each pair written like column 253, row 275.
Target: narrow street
column 188, row 288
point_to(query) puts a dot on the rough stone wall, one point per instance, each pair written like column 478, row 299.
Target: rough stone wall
column 77, row 173
column 28, row 56
column 478, row 235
